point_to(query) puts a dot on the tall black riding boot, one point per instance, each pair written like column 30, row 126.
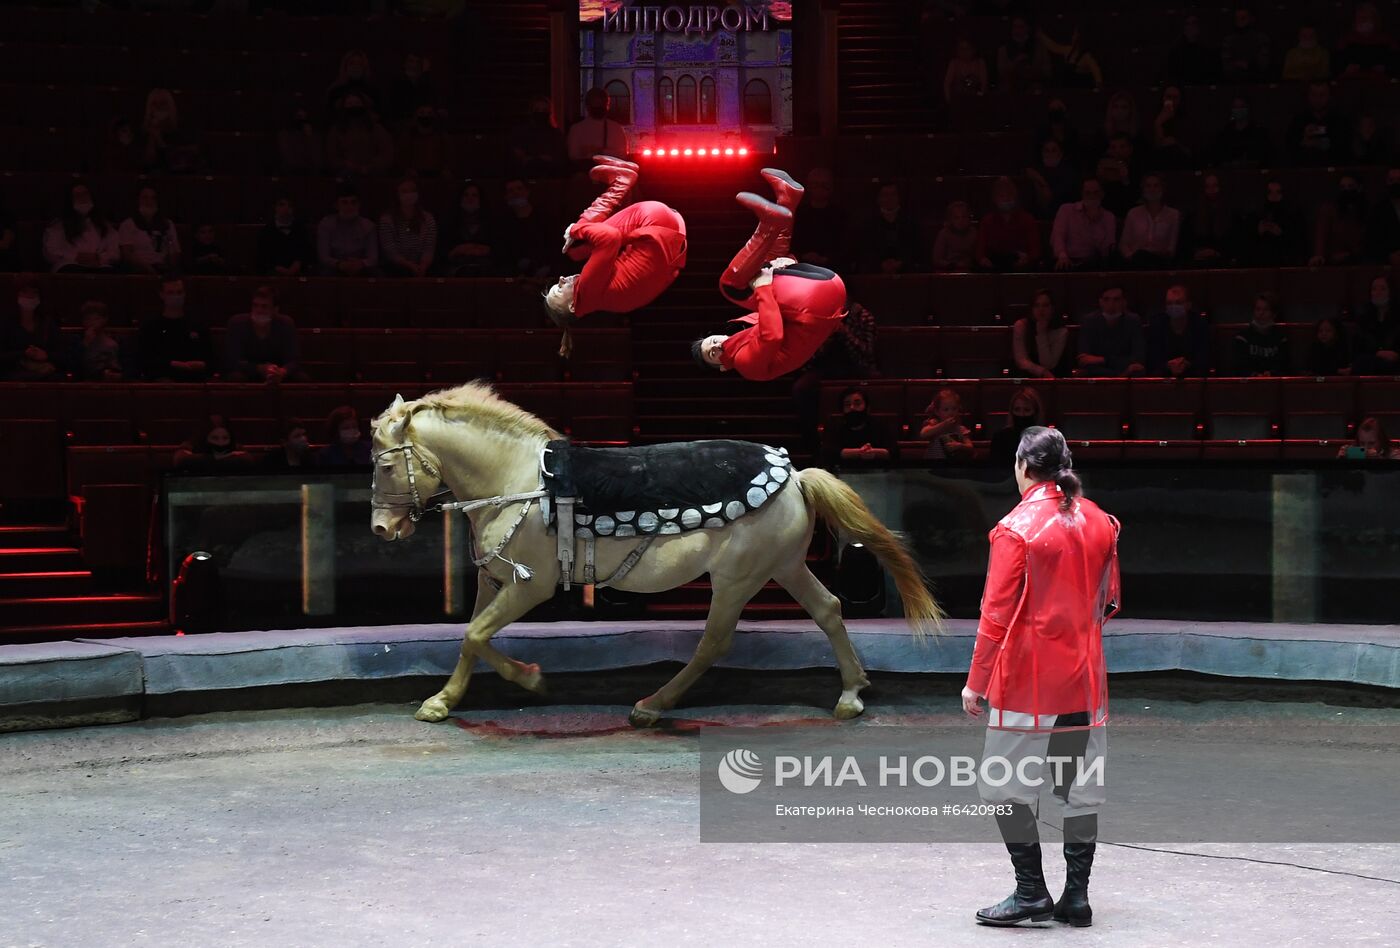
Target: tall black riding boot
column 1031, row 900
column 1081, row 839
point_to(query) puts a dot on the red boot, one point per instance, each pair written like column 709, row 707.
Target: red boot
column 616, row 162
column 619, row 179
column 788, row 193
column 773, row 219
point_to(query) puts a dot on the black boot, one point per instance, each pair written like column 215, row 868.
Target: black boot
column 1081, row 833
column 1031, row 900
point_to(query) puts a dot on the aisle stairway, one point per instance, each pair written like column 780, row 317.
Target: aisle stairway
column 883, row 81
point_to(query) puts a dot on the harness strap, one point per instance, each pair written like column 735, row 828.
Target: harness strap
column 626, row 566
column 565, row 542
column 590, row 566
column 520, row 570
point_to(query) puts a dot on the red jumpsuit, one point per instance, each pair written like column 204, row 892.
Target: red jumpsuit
column 796, row 314
column 633, row 256
column 1052, row 578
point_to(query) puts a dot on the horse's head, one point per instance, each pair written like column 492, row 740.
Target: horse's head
column 405, row 475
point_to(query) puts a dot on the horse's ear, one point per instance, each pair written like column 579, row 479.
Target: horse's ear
column 397, row 403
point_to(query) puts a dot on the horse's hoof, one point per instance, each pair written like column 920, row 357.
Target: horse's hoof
column 433, row 710
column 531, row 679
column 848, row 708
column 643, row 717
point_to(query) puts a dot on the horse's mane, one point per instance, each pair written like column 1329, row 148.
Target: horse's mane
column 479, row 402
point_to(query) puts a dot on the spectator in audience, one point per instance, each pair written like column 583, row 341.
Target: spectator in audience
column 1178, row 341
column 147, row 239
column 121, row 152
column 412, row 90
column 9, row 252
column 407, row 234
column 29, row 343
column 1245, row 55
column 1071, row 63
column 1008, row 238
column 1026, row 409
column 345, row 242
column 1242, row 143
column 1211, row 230
column 1115, row 174
column 346, row 446
column 357, row 143
column 857, row 440
column 1276, row 234
column 1038, row 340
column 1372, row 443
column 207, row 258
column 174, row 347
column 820, row 228
column 467, row 236
column 1151, row 230
column 1191, row 62
column 1054, row 180
column 261, row 344
column 955, row 247
column 1023, row 62
column 168, row 145
column 1330, row 353
column 1321, row 133
column 966, row 74
column 537, row 147
column 1309, row 61
column 1084, row 233
column 80, row 240
column 353, row 79
column 1111, row 342
column 1261, row 348
column 295, row 450
column 1340, row 235
column 1383, row 232
column 284, row 246
column 849, row 353
column 595, row 133
column 300, row 146
column 212, row 448
column 890, row 242
column 1059, row 128
column 1367, row 51
column 1169, row 149
column 1120, row 118
column 528, row 241
column 1378, row 332
column 422, row 149
column 948, row 438
column 97, row 357
column 1371, row 144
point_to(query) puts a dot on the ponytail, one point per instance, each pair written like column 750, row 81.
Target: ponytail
column 1069, row 485
column 1047, row 458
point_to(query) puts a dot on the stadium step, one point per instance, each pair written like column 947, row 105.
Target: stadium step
column 73, row 610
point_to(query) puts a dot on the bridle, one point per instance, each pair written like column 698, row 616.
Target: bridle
column 380, row 500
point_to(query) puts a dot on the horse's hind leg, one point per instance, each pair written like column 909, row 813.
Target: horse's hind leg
column 825, row 610
column 726, row 604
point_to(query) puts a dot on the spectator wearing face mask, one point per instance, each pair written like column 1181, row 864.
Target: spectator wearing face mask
column 1178, row 341
column 80, row 240
column 300, row 146
column 1026, row 409
column 29, row 340
column 1151, row 230
column 1276, row 234
column 1383, row 232
column 955, row 247
column 422, row 147
column 346, row 446
column 467, row 236
column 1330, row 353
column 293, row 454
column 412, row 90
column 1367, row 51
column 1261, row 348
column 528, row 243
column 261, row 344
column 1008, row 238
column 212, row 449
column 1378, row 332
column 147, row 239
column 174, row 347
column 857, row 440
column 595, row 133
column 948, row 438
column 407, row 234
column 1242, row 143
column 1084, row 233
column 537, row 147
column 97, row 356
column 1111, row 341
column 1038, row 340
column 345, row 241
column 284, row 246
column 357, row 143
column 1055, row 180
column 849, row 353
column 1340, row 235
column 1309, row 61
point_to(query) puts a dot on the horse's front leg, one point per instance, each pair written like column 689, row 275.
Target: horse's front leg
column 494, row 610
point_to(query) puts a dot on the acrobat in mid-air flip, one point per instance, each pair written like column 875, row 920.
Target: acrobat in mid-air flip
column 799, row 305
column 631, row 256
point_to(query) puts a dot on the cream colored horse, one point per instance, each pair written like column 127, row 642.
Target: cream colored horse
column 477, row 445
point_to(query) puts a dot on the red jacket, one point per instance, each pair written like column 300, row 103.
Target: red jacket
column 1052, row 580
column 633, row 256
column 795, row 316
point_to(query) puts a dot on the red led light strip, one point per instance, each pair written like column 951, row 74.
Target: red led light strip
column 694, row 152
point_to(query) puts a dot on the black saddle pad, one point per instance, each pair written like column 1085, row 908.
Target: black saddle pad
column 664, row 488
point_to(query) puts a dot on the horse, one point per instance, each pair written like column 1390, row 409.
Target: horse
column 472, row 442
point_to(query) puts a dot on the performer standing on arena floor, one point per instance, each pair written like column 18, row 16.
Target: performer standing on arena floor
column 799, row 304
column 631, row 255
column 1052, row 581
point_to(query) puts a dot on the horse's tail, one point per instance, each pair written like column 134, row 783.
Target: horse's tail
column 835, row 502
